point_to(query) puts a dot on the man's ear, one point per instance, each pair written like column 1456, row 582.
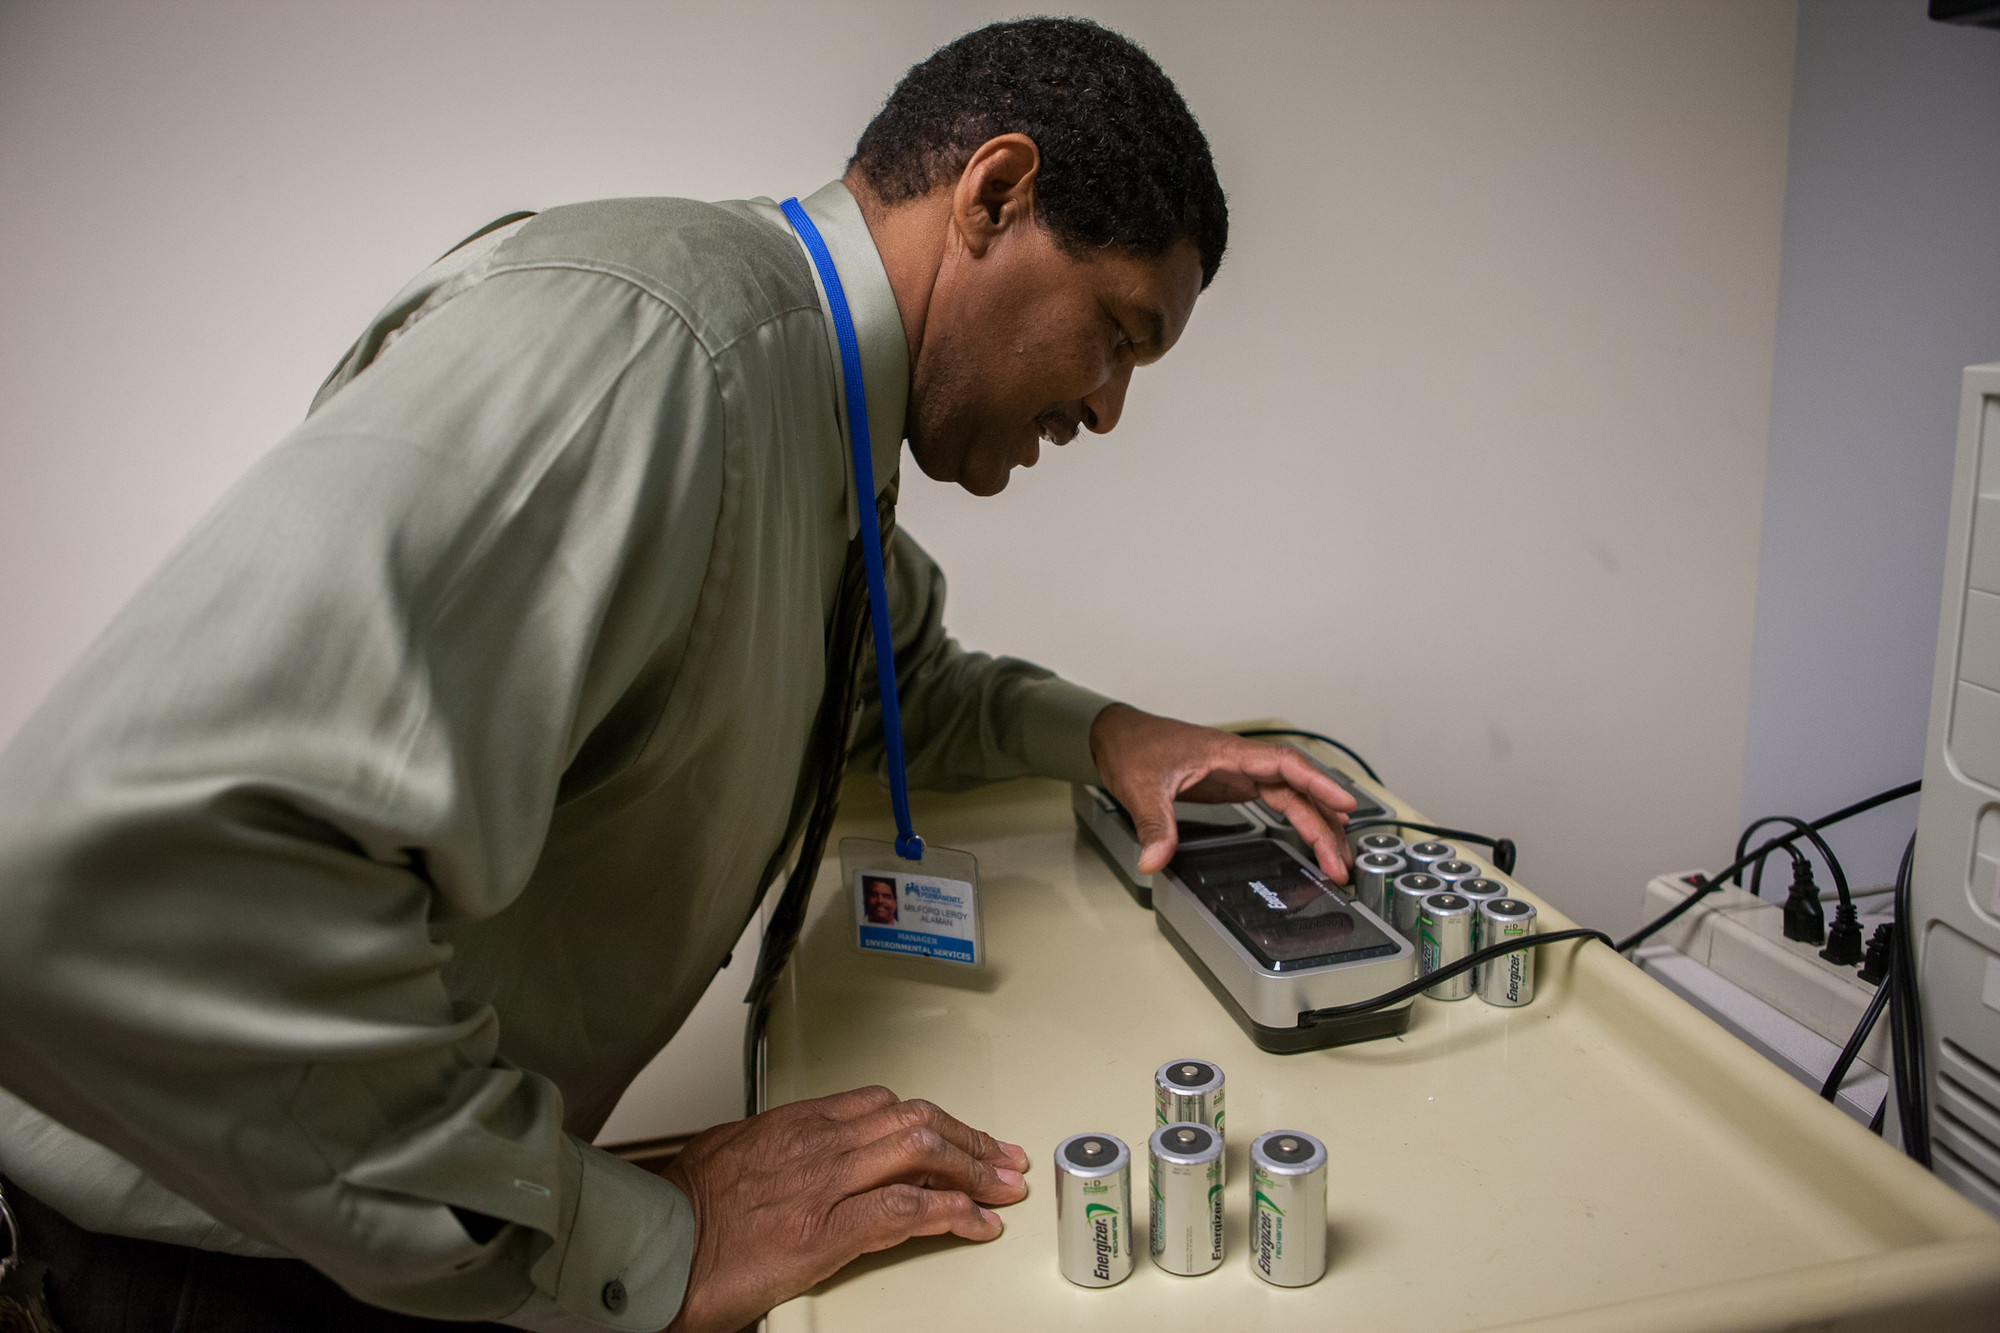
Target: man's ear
column 996, row 191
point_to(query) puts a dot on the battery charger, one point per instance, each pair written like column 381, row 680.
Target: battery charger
column 1275, row 941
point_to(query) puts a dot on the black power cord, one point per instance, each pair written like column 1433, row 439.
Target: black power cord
column 1805, row 919
column 1757, row 871
column 1881, row 952
column 1448, row 971
column 1897, row 994
column 1848, row 1053
column 1256, row 733
column 1505, row 853
column 1843, row 939
column 1707, row 884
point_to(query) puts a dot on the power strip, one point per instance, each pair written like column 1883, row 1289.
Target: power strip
column 1728, row 956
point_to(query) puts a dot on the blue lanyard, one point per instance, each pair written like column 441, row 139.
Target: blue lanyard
column 908, row 845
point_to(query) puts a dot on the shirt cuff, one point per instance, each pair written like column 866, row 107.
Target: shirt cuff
column 1055, row 720
column 624, row 1263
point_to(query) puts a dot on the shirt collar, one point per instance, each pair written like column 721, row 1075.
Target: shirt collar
column 878, row 328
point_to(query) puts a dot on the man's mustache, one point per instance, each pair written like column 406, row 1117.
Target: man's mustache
column 1056, row 426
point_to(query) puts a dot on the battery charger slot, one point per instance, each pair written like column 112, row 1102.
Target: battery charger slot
column 1193, row 821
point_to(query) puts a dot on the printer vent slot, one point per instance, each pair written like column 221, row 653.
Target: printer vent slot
column 1967, row 1123
column 1976, row 1142
column 1981, row 1079
column 1961, row 1175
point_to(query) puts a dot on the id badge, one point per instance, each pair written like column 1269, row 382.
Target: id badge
column 918, row 909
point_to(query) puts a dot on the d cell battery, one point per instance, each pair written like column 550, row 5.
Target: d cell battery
column 1378, row 841
column 1480, row 891
column 1444, row 935
column 1188, row 1091
column 1374, row 876
column 1509, row 980
column 1094, row 1209
column 1288, row 1208
column 1455, row 872
column 1411, row 890
column 1424, row 855
column 1186, row 1179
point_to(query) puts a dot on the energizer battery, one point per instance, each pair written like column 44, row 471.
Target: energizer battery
column 1411, row 890
column 1186, row 1178
column 1480, row 891
column 1094, row 1209
column 1374, row 874
column 1444, row 935
column 1509, row 980
column 1378, row 841
column 1188, row 1091
column 1424, row 855
column 1288, row 1208
column 1455, row 872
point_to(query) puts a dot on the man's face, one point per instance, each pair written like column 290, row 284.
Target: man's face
column 881, row 900
column 1028, row 344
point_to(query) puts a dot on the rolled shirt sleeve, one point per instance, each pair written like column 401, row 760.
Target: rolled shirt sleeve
column 333, row 722
column 968, row 717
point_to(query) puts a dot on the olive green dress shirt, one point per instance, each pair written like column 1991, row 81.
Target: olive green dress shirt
column 406, row 812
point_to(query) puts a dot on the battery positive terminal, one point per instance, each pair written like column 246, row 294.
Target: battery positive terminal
column 1805, row 919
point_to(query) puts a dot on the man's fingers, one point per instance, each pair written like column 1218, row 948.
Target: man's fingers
column 1153, row 821
column 784, row 1199
column 891, row 1215
column 1264, row 763
column 1326, row 837
column 918, row 1113
column 1148, row 762
column 1296, row 771
column 1246, row 767
column 919, row 1155
column 1220, row 786
column 853, row 1104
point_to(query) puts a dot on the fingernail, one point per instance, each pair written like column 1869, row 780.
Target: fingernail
column 1014, row 1150
column 1012, row 1178
column 993, row 1219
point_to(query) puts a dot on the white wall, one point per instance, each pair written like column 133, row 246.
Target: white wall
column 1461, row 458
column 1890, row 287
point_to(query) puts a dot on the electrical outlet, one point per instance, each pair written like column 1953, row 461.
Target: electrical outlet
column 1742, row 939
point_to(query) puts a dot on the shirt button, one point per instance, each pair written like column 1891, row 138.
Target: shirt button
column 614, row 1295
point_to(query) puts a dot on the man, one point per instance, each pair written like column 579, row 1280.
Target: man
column 878, row 898
column 405, row 814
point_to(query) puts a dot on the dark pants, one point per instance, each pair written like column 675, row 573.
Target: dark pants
column 114, row 1284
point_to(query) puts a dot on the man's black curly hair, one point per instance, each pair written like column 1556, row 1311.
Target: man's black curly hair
column 1124, row 162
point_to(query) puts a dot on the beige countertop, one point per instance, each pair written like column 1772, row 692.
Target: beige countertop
column 1605, row 1158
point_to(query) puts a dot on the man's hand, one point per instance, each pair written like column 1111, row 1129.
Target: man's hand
column 1150, row 762
column 785, row 1199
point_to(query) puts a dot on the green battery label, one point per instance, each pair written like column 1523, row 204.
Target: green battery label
column 1267, row 1226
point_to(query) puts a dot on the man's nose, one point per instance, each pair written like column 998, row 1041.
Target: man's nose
column 1102, row 405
